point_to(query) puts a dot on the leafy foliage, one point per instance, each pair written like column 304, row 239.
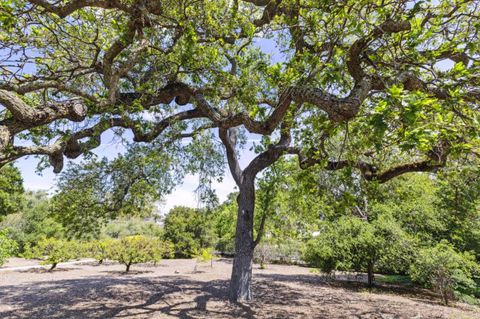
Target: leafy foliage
column 354, row 244
column 450, row 273
column 94, row 193
column 138, row 249
column 7, row 246
column 34, row 222
column 128, row 226
column 98, row 249
column 54, row 251
column 189, row 230
column 11, row 190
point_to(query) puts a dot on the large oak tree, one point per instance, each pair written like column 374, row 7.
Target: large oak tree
column 383, row 87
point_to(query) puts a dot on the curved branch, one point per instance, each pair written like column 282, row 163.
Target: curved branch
column 436, row 159
column 229, row 140
column 338, row 109
column 355, row 51
column 74, row 110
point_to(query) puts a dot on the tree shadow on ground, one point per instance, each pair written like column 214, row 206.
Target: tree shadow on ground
column 131, row 272
column 276, row 296
column 46, row 270
column 407, row 290
column 115, row 297
column 141, row 297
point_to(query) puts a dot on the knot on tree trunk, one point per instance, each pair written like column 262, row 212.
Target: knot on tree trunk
column 77, row 111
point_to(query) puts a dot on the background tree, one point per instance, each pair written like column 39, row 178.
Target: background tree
column 11, row 190
column 458, row 194
column 7, row 246
column 189, row 230
column 383, row 88
column 34, row 222
column 128, row 226
column 450, row 273
column 355, row 244
column 93, row 193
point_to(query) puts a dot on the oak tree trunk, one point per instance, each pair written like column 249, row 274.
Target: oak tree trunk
column 241, row 280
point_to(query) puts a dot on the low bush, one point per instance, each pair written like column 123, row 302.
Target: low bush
column 452, row 274
column 206, row 255
column 98, row 249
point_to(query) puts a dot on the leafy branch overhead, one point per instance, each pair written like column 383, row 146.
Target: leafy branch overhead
column 382, row 87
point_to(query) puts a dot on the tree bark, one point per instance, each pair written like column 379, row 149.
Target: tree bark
column 241, row 280
column 128, row 267
column 370, row 274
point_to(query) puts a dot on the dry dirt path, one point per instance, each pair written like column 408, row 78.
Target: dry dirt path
column 173, row 290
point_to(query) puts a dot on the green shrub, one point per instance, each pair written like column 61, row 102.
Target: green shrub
column 164, row 249
column 7, row 246
column 189, row 230
column 138, row 249
column 319, row 255
column 353, row 244
column 226, row 245
column 54, row 251
column 98, row 249
column 452, row 274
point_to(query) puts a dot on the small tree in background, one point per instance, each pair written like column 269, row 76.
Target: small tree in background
column 54, row 251
column 136, row 249
column 205, row 255
column 7, row 246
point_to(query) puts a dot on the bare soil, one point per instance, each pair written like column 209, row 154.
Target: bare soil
column 178, row 289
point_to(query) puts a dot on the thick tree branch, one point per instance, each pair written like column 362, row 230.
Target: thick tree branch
column 338, row 109
column 436, row 159
column 261, row 229
column 356, row 50
column 229, row 140
column 74, row 110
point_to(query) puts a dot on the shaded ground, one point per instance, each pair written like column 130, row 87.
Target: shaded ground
column 173, row 290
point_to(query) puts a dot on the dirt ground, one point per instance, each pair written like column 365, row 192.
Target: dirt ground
column 173, row 289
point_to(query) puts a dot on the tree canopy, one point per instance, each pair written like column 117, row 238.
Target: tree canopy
column 402, row 74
